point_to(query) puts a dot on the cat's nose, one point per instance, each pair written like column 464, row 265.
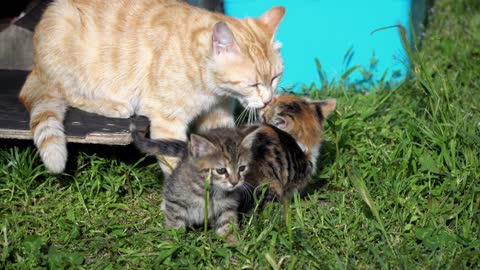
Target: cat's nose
column 266, row 100
column 234, row 183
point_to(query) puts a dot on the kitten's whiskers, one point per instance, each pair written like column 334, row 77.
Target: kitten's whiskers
column 246, row 193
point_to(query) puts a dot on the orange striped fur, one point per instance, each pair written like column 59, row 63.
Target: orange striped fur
column 160, row 58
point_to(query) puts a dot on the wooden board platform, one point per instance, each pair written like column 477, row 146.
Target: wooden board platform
column 80, row 126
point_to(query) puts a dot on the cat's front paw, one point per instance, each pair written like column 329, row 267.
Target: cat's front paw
column 176, row 224
column 116, row 110
column 227, row 231
column 231, row 238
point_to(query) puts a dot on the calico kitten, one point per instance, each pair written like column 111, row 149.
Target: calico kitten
column 213, row 155
column 163, row 59
column 285, row 148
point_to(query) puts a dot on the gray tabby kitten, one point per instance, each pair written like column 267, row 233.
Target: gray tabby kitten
column 214, row 155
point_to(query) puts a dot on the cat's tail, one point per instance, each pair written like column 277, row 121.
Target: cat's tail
column 172, row 148
column 47, row 108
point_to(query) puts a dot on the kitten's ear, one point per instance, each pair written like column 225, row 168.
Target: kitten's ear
column 200, row 146
column 223, row 39
column 248, row 140
column 280, row 122
column 324, row 107
column 272, row 18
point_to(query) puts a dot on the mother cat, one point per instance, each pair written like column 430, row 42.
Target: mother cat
column 160, row 58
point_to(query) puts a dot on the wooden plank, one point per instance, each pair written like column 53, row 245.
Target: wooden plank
column 80, row 126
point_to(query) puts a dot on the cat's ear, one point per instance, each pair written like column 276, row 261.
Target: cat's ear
column 223, row 39
column 324, row 107
column 280, row 122
column 271, row 19
column 248, row 140
column 200, row 146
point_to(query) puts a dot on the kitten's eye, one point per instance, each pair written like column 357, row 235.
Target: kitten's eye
column 221, row 171
column 254, row 85
column 242, row 168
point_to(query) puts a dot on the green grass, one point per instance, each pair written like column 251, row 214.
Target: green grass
column 398, row 186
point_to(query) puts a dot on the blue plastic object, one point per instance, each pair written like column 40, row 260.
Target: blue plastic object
column 341, row 34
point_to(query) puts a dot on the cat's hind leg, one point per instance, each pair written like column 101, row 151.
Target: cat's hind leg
column 273, row 193
column 44, row 99
column 220, row 115
column 176, row 215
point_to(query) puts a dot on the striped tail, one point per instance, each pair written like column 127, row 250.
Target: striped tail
column 47, row 110
column 168, row 147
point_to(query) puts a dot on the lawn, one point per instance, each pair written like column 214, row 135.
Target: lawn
column 398, row 185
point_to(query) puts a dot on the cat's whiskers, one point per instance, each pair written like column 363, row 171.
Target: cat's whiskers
column 246, row 193
column 215, row 191
column 245, row 115
column 249, row 188
column 241, row 117
column 252, row 115
column 247, row 184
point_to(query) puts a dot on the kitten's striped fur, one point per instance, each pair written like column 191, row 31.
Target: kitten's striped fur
column 160, row 58
column 285, row 148
column 213, row 155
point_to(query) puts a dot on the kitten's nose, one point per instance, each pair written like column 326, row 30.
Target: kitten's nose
column 234, row 183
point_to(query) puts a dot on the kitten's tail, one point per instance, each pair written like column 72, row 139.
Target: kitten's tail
column 172, row 148
column 47, row 108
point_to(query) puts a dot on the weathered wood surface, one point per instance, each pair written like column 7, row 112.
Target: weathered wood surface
column 80, row 126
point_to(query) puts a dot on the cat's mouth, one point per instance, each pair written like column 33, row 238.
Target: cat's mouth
column 252, row 104
column 231, row 187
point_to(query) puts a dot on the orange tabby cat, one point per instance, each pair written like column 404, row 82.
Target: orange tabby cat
column 160, row 58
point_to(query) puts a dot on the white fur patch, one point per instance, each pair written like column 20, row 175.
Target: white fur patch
column 315, row 152
column 54, row 156
column 303, row 147
column 196, row 215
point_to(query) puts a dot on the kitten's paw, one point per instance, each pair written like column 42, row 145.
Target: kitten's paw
column 228, row 233
column 231, row 238
column 175, row 224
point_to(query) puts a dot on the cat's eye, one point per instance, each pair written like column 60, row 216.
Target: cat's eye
column 221, row 171
column 275, row 77
column 254, row 85
column 242, row 168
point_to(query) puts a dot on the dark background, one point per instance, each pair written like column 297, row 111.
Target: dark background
column 11, row 9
